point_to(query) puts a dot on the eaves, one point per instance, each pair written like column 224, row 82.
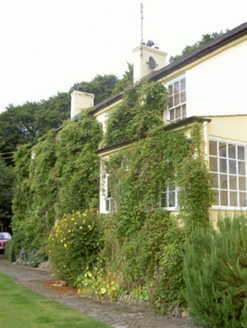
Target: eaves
column 173, row 126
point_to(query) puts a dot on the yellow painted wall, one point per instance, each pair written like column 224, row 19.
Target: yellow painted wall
column 228, row 127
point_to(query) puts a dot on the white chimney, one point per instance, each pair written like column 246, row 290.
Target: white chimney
column 146, row 60
column 80, row 101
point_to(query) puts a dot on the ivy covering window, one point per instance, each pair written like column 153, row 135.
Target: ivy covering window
column 229, row 173
column 177, row 99
column 169, row 198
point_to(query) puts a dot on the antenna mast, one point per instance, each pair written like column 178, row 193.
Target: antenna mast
column 142, row 22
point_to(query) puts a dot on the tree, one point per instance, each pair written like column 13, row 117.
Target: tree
column 6, row 193
column 17, row 126
column 30, row 121
column 100, row 86
column 126, row 81
column 205, row 39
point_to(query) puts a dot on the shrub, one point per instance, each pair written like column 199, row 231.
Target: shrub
column 9, row 253
column 215, row 273
column 32, row 257
column 74, row 244
column 150, row 258
column 101, row 284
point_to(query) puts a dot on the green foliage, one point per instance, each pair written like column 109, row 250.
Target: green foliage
column 100, row 284
column 29, row 122
column 215, row 273
column 149, row 258
column 22, row 200
column 77, row 168
column 141, row 111
column 139, row 174
column 126, row 81
column 196, row 194
column 6, row 193
column 101, row 86
column 9, row 252
column 74, row 244
column 17, row 126
column 61, row 177
column 204, row 40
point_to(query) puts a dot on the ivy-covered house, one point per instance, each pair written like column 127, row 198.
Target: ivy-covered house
column 208, row 87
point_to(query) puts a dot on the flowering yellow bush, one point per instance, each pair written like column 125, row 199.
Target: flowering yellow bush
column 74, row 244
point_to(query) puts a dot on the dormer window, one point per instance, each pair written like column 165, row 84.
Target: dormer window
column 176, row 99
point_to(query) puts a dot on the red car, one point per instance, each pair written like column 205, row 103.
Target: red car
column 4, row 236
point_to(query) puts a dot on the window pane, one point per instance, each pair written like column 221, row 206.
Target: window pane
column 241, row 154
column 223, row 198
column 233, row 182
column 184, row 110
column 178, row 112
column 242, row 184
column 170, row 101
column 183, row 84
column 170, row 89
column 213, row 164
column 171, row 199
column 172, row 115
column 176, row 99
column 216, row 198
column 223, row 181
column 223, row 165
column 232, row 151
column 233, row 198
column 214, row 180
column 183, row 96
column 213, row 148
column 242, row 199
column 241, row 168
column 164, row 199
column 222, row 147
column 107, row 205
column 176, row 87
column 232, row 166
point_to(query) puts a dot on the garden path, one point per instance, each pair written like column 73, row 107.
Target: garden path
column 114, row 314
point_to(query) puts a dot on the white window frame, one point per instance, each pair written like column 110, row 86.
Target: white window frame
column 180, row 105
column 106, row 193
column 168, row 192
column 228, row 174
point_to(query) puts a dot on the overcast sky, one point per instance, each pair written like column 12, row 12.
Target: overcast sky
column 48, row 45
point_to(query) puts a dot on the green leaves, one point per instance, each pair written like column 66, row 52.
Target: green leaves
column 61, row 177
column 215, row 273
column 140, row 112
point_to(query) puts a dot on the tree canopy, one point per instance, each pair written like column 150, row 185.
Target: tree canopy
column 28, row 122
column 205, row 39
column 6, row 194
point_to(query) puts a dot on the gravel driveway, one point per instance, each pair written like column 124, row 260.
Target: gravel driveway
column 114, row 314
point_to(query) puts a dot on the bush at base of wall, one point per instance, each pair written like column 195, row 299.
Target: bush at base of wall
column 9, row 253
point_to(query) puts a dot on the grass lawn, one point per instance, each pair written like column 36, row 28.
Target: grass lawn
column 22, row 308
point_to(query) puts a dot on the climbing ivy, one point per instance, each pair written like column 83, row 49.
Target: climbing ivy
column 61, row 176
column 141, row 110
column 77, row 167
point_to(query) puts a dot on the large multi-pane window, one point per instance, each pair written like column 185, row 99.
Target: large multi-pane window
column 229, row 173
column 176, row 99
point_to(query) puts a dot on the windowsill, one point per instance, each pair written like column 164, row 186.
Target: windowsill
column 228, row 208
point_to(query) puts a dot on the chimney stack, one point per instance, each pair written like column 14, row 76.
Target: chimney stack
column 80, row 101
column 147, row 59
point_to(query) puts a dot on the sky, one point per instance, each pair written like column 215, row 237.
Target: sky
column 46, row 46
